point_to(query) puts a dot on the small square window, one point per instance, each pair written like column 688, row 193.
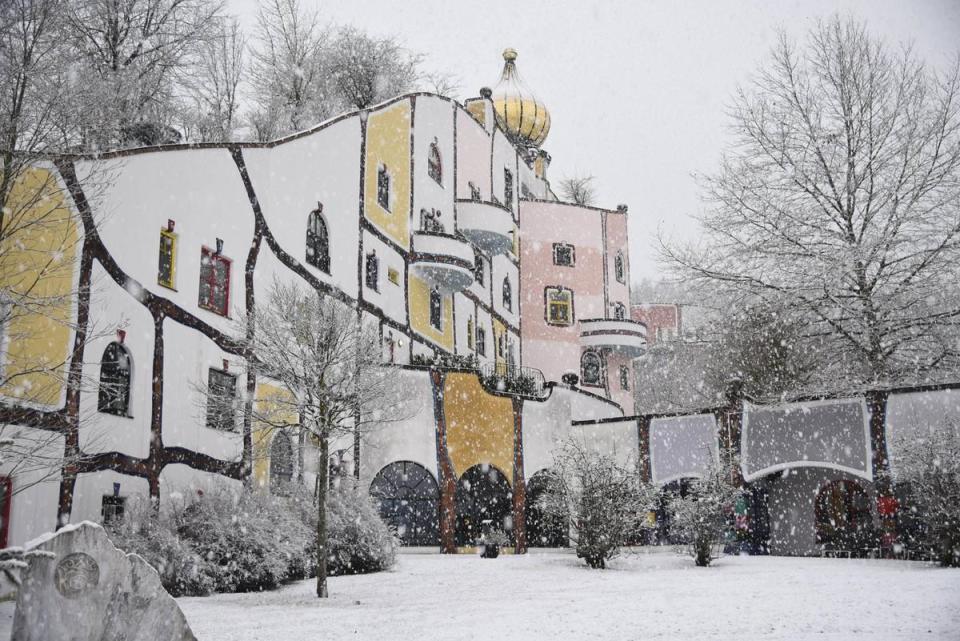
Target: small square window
column 393, row 276
column 112, row 509
column 564, row 255
column 559, row 306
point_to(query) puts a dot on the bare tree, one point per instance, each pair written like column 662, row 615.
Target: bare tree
column 368, row 70
column 286, row 72
column 603, row 500
column 328, row 366
column 130, row 52
column 578, row 189
column 841, row 200
column 213, row 87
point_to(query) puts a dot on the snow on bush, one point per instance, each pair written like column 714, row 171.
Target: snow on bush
column 225, row 542
column 929, row 468
column 700, row 515
column 605, row 502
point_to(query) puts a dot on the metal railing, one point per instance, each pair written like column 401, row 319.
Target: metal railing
column 510, row 379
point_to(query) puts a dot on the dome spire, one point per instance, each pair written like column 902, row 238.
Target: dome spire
column 522, row 117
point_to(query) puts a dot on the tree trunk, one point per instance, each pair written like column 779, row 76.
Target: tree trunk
column 322, row 485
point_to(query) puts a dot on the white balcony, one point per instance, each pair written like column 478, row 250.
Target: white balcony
column 626, row 337
column 442, row 260
column 487, row 225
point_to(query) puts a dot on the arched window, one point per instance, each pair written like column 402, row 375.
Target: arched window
column 409, row 501
column 434, row 166
column 507, row 294
column 619, row 269
column 591, row 369
column 116, row 368
column 281, row 463
column 318, row 241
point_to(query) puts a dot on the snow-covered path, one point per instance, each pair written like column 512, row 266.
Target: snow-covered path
column 647, row 596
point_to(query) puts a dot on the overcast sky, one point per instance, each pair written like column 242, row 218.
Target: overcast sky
column 637, row 90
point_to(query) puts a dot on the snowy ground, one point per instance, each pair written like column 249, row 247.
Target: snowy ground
column 553, row 596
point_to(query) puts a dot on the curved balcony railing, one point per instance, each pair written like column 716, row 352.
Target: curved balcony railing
column 487, row 225
column 517, row 381
column 443, row 260
column 624, row 336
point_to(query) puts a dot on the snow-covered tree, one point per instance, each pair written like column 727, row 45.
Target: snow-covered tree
column 328, row 365
column 368, row 69
column 578, row 189
column 213, row 89
column 929, row 466
column 603, row 500
column 840, row 201
column 701, row 515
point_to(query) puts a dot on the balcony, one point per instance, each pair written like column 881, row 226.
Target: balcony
column 626, row 337
column 487, row 225
column 526, row 382
column 442, row 260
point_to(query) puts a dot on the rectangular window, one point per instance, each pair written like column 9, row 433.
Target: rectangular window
column 393, row 276
column 508, row 188
column 166, row 270
column 474, row 192
column 383, row 187
column 214, row 281
column 564, row 255
column 6, row 495
column 559, row 306
column 221, row 400
column 481, row 341
column 470, row 340
column 112, row 509
column 436, row 309
column 373, row 272
column 624, row 377
column 478, row 268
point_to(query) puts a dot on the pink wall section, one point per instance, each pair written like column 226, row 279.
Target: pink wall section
column 556, row 350
column 473, row 156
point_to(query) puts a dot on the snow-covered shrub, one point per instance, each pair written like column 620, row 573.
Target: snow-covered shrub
column 700, row 515
column 929, row 467
column 605, row 501
column 358, row 539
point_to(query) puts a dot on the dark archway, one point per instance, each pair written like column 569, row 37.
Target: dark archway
column 483, row 494
column 409, row 502
column 543, row 530
column 844, row 521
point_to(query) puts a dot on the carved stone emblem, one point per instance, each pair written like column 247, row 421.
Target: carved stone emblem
column 76, row 574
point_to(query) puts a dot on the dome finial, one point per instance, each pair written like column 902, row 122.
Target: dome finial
column 509, row 54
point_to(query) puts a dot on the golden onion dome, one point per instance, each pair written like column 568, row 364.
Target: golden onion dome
column 524, row 118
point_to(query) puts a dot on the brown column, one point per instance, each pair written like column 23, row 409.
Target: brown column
column 731, row 428
column 448, row 480
column 882, row 481
column 519, row 482
column 643, row 447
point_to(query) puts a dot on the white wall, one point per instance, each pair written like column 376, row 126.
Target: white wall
column 36, row 488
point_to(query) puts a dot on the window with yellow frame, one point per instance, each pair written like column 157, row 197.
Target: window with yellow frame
column 559, row 301
column 167, row 267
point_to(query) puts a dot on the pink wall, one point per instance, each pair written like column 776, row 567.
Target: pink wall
column 473, row 156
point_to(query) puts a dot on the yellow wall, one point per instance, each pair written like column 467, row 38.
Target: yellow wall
column 479, row 425
column 419, row 301
column 388, row 143
column 274, row 403
column 38, row 260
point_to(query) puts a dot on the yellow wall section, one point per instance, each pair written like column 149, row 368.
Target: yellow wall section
column 38, row 258
column 476, row 109
column 388, row 143
column 479, row 425
column 273, row 401
column 419, row 301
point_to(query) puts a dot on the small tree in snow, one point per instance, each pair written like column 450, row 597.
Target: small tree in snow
column 329, row 363
column 701, row 514
column 578, row 189
column 603, row 499
column 930, row 466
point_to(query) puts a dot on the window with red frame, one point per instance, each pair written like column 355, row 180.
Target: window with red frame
column 214, row 281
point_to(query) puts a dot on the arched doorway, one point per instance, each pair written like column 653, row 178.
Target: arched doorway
column 483, row 494
column 409, row 502
column 844, row 521
column 281, row 463
column 543, row 530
